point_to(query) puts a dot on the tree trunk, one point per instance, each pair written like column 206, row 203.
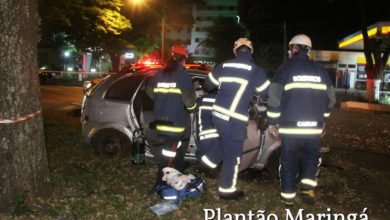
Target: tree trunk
column 23, row 161
column 115, row 61
column 373, row 72
column 370, row 90
column 370, row 83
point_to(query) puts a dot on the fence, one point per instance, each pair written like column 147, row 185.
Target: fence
column 68, row 77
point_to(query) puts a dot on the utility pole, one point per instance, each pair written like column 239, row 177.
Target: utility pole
column 163, row 32
column 284, row 41
column 163, row 39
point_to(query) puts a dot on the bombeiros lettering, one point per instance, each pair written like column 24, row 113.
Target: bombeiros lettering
column 238, row 65
column 307, row 124
column 306, row 78
column 166, row 85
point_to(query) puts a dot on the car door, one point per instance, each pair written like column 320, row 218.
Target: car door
column 114, row 108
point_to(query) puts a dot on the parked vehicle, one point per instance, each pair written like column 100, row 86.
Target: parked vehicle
column 116, row 106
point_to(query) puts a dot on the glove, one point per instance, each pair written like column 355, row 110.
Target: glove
column 274, row 130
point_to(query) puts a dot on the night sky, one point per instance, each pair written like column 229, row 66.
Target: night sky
column 325, row 21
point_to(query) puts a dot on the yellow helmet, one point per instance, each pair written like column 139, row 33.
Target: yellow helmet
column 301, row 39
column 242, row 42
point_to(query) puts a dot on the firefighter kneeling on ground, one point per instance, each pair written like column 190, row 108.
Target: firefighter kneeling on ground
column 237, row 80
column 300, row 98
column 174, row 97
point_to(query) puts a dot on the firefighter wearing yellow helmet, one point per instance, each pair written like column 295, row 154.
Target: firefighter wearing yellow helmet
column 237, row 81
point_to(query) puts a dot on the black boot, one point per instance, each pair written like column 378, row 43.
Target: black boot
column 308, row 197
column 208, row 172
column 232, row 196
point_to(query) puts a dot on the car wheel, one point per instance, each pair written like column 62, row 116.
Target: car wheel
column 272, row 167
column 112, row 143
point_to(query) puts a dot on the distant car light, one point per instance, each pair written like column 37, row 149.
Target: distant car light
column 89, row 84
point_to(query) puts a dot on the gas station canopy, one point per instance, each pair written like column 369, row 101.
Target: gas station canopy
column 355, row 41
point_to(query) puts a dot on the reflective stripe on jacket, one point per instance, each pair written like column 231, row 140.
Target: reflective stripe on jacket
column 237, row 80
column 206, row 128
column 174, row 96
column 300, row 97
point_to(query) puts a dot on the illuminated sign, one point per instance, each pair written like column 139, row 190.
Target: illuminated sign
column 356, row 38
column 385, row 30
column 354, row 41
column 129, row 55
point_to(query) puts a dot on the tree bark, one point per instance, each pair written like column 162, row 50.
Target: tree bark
column 115, row 61
column 375, row 62
column 23, row 161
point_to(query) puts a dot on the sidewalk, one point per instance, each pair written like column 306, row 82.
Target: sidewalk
column 354, row 99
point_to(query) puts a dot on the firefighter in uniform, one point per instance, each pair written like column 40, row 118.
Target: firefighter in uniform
column 237, row 80
column 174, row 98
column 300, row 98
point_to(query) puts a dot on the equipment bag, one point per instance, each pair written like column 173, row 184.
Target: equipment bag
column 191, row 190
column 195, row 188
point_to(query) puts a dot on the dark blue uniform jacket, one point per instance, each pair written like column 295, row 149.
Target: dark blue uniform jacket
column 300, row 97
column 174, row 96
column 238, row 81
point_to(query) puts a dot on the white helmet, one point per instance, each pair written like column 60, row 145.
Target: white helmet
column 300, row 39
column 242, row 42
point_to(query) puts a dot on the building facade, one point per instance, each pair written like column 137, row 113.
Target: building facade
column 204, row 17
column 347, row 69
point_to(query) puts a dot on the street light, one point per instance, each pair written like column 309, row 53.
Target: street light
column 66, row 55
column 139, row 3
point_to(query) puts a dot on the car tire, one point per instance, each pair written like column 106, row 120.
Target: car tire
column 272, row 167
column 111, row 143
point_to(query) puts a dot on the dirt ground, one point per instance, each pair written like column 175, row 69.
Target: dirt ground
column 355, row 176
column 359, row 161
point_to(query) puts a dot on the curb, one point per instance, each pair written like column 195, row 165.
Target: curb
column 365, row 106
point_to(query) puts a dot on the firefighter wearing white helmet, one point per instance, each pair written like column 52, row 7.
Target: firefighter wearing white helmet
column 301, row 96
column 301, row 39
column 298, row 43
column 237, row 81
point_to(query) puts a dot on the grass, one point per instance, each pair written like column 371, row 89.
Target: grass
column 90, row 187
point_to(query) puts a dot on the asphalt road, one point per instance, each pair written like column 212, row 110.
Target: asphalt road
column 63, row 103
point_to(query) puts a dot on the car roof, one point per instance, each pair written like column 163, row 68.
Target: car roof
column 152, row 71
column 146, row 73
column 106, row 82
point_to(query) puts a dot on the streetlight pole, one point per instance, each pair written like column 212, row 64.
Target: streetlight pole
column 163, row 32
column 141, row 2
column 66, row 55
column 163, row 39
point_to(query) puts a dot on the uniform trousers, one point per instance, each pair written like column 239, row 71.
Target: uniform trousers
column 228, row 150
column 294, row 149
